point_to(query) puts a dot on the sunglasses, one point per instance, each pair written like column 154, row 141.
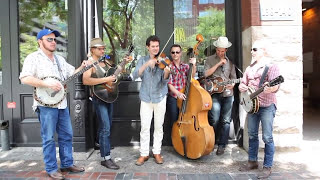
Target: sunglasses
column 51, row 39
column 100, row 49
column 175, row 52
column 254, row 49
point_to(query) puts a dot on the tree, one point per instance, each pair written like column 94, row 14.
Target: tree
column 126, row 22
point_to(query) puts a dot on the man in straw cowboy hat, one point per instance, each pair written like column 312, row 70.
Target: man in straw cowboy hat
column 104, row 110
column 219, row 65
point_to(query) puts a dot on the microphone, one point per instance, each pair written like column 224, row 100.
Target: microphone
column 106, row 56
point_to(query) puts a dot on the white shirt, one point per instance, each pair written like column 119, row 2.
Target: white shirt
column 38, row 65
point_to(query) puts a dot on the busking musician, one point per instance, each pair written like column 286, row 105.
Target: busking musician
column 219, row 66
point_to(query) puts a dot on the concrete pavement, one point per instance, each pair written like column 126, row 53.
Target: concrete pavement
column 26, row 162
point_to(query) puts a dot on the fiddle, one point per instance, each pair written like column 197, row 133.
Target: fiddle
column 163, row 61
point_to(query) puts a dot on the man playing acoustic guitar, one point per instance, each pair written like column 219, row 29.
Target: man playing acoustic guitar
column 45, row 63
column 96, row 76
column 218, row 65
column 267, row 102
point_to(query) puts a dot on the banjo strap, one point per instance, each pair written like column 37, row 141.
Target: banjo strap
column 59, row 69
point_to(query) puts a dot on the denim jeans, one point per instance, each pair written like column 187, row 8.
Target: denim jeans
column 104, row 114
column 220, row 116
column 55, row 120
column 266, row 116
column 172, row 110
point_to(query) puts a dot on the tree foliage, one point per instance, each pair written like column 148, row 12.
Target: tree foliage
column 37, row 14
column 126, row 22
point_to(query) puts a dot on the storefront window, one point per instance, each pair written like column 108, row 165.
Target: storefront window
column 38, row 14
column 127, row 22
column 205, row 17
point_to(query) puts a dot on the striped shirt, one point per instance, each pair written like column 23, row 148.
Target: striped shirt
column 252, row 76
column 178, row 77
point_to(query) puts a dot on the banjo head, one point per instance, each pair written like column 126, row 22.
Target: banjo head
column 246, row 102
column 47, row 96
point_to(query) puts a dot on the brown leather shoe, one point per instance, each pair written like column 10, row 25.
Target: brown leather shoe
column 249, row 166
column 265, row 173
column 141, row 160
column 158, row 158
column 73, row 168
column 56, row 175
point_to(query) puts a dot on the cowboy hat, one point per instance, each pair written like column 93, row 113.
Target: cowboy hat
column 96, row 42
column 222, row 42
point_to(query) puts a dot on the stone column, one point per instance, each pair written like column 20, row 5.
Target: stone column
column 281, row 27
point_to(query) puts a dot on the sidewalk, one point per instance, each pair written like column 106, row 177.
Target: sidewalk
column 26, row 163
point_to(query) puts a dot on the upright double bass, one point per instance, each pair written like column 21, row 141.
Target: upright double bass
column 192, row 136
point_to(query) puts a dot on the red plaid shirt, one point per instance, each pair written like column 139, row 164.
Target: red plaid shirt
column 178, row 77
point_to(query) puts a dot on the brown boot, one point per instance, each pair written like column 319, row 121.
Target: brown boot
column 158, row 158
column 265, row 173
column 249, row 166
column 141, row 160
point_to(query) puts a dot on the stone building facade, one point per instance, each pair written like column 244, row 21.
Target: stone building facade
column 283, row 36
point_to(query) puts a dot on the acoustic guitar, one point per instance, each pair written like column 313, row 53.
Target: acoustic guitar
column 249, row 99
column 216, row 85
column 108, row 92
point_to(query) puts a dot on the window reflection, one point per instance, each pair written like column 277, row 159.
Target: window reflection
column 192, row 17
column 38, row 14
column 127, row 22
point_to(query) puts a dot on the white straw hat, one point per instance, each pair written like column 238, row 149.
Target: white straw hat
column 222, row 42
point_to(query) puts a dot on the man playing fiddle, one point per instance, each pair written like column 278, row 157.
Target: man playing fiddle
column 153, row 93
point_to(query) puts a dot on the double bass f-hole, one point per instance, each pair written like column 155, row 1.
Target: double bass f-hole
column 195, row 123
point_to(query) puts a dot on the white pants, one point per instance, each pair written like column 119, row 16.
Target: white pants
column 146, row 112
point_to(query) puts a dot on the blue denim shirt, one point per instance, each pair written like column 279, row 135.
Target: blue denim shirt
column 153, row 86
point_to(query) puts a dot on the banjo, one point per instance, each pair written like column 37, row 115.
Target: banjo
column 49, row 97
column 249, row 99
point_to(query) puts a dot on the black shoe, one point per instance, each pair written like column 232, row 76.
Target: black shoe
column 220, row 150
column 110, row 164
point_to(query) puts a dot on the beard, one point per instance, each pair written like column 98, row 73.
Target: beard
column 47, row 47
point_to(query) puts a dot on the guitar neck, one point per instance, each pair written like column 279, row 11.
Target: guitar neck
column 118, row 70
column 79, row 73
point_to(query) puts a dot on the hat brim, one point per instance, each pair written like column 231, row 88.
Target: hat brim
column 225, row 46
column 98, row 45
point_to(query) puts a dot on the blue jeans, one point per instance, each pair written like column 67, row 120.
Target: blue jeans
column 172, row 110
column 265, row 115
column 104, row 114
column 55, row 120
column 220, row 116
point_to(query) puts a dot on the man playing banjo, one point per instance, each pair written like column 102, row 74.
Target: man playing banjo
column 38, row 65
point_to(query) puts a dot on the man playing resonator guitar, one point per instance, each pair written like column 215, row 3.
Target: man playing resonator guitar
column 38, row 65
column 267, row 102
column 95, row 76
column 218, row 65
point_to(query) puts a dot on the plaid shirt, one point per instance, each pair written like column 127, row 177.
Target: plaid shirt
column 252, row 76
column 178, row 77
